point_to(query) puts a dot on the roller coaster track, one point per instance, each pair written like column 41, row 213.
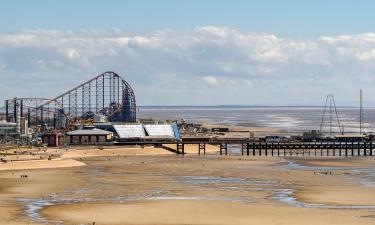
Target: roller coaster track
column 107, row 94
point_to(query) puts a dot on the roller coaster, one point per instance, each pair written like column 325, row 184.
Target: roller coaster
column 107, row 95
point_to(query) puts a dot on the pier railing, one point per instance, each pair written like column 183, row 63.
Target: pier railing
column 343, row 149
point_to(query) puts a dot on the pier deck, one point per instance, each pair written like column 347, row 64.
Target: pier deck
column 283, row 149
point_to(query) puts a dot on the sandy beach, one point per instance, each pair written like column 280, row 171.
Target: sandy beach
column 122, row 185
column 198, row 212
column 187, row 112
column 40, row 164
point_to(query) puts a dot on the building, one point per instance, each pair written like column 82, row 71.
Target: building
column 8, row 131
column 53, row 139
column 89, row 135
column 7, row 128
column 312, row 135
column 350, row 137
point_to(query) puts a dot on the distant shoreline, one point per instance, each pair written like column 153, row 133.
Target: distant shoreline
column 236, row 106
column 2, row 108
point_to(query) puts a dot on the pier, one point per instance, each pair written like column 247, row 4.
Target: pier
column 246, row 147
column 315, row 149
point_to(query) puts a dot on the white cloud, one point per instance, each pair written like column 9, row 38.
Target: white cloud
column 367, row 55
column 211, row 80
column 70, row 53
column 279, row 71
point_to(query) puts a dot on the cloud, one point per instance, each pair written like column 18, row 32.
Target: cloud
column 211, row 80
column 70, row 53
column 165, row 66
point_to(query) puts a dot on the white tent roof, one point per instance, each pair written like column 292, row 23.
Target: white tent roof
column 130, row 131
column 159, row 130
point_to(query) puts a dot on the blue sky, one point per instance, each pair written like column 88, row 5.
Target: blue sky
column 192, row 52
column 286, row 18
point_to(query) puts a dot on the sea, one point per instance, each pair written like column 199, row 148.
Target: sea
column 288, row 118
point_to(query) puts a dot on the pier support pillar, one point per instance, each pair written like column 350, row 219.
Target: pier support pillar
column 371, row 148
column 180, row 148
column 321, row 150
column 315, row 148
column 223, row 146
column 202, row 147
column 358, row 149
column 364, row 149
column 278, row 148
column 303, row 150
column 334, row 149
column 253, row 149
column 346, row 149
column 310, row 150
column 352, row 148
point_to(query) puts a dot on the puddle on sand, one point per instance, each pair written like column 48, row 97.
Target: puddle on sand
column 297, row 166
column 228, row 199
column 208, row 183
column 286, row 196
column 365, row 176
column 227, row 182
column 32, row 206
column 278, row 191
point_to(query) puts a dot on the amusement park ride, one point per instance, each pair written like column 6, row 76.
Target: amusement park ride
column 106, row 96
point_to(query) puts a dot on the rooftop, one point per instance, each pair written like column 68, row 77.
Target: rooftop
column 85, row 131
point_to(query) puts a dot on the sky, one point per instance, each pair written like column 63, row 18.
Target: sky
column 192, row 52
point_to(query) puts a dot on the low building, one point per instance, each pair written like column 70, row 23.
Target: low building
column 350, row 137
column 274, row 138
column 220, row 129
column 311, row 135
column 53, row 139
column 8, row 132
column 7, row 128
column 89, row 135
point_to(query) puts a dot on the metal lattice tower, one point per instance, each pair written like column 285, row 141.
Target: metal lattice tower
column 361, row 122
column 330, row 102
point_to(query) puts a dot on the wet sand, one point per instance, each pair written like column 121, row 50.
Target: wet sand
column 199, row 212
column 155, row 186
